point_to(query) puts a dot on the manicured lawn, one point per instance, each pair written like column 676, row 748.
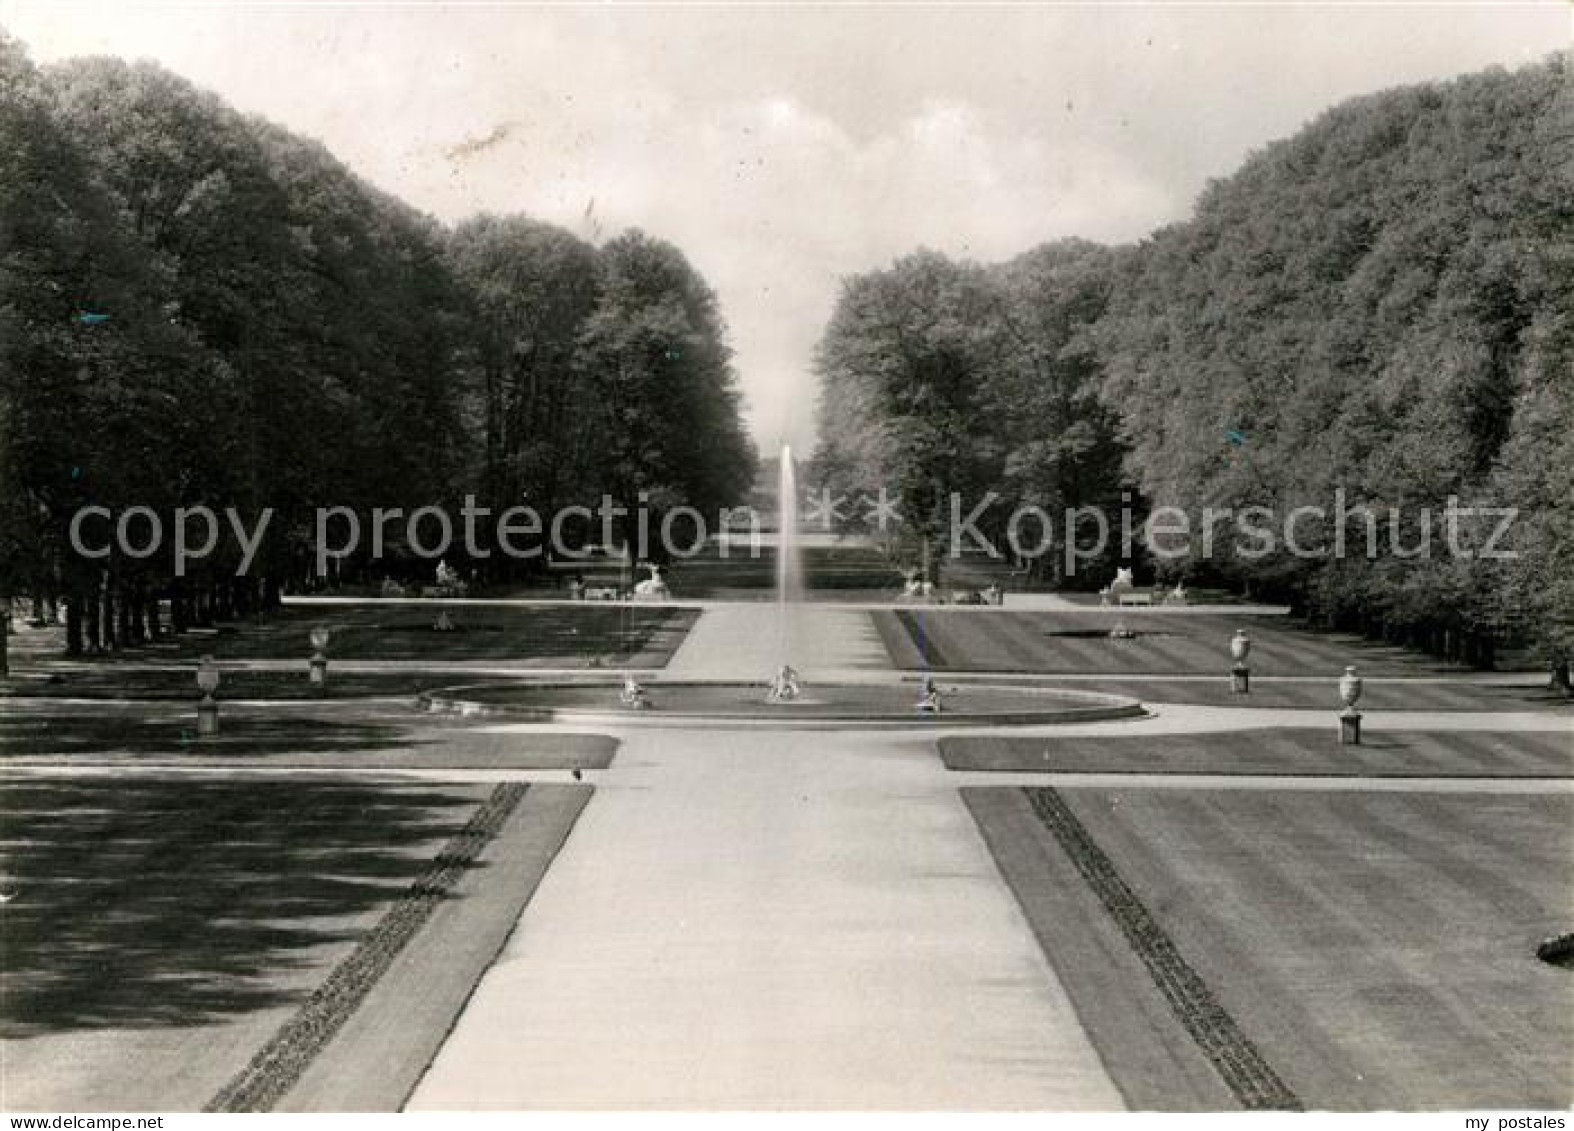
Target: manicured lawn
column 181, row 944
column 1167, row 644
column 330, row 737
column 1453, row 694
column 1286, row 751
column 535, row 636
column 161, row 930
column 1376, row 950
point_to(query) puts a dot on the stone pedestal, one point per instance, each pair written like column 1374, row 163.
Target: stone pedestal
column 207, row 717
column 1350, row 727
column 1241, row 679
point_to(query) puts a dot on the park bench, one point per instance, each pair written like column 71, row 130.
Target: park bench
column 1132, row 597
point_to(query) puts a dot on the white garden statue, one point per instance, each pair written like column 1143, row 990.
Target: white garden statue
column 784, row 687
column 633, row 695
column 1123, row 583
column 653, row 588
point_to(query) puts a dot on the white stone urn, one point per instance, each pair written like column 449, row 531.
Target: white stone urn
column 1350, row 689
column 207, row 677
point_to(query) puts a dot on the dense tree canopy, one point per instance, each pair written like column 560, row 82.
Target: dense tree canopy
column 945, row 384
column 531, row 288
column 662, row 396
column 902, row 368
column 200, row 308
column 1378, row 305
column 1381, row 306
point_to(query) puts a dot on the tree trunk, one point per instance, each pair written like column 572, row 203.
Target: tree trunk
column 125, row 633
column 93, row 618
column 136, row 619
column 74, row 624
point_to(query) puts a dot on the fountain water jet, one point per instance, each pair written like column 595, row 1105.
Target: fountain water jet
column 789, row 578
column 789, row 572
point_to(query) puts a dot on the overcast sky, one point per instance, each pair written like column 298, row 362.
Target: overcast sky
column 783, row 147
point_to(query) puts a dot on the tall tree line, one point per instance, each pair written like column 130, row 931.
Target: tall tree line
column 942, row 379
column 199, row 308
column 1382, row 303
column 602, row 371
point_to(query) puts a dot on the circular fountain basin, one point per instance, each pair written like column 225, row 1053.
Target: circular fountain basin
column 830, row 706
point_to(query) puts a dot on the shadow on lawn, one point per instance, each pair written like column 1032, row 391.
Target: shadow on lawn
column 169, row 734
column 176, row 903
column 178, row 685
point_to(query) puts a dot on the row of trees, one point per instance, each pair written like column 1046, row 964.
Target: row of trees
column 942, row 379
column 1382, row 304
column 200, row 308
